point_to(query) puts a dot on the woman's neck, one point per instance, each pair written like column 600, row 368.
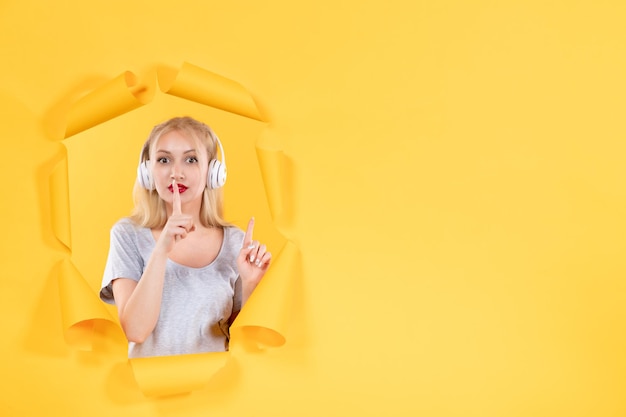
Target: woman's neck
column 192, row 209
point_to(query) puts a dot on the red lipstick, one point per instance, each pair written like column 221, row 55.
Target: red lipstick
column 181, row 188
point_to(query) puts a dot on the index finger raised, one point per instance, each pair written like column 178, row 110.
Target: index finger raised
column 248, row 237
column 176, row 209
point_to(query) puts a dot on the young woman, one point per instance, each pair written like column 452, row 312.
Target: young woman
column 177, row 272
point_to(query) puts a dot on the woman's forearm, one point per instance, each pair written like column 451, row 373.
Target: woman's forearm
column 140, row 313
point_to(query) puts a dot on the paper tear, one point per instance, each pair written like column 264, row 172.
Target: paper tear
column 278, row 178
column 206, row 87
column 80, row 307
column 60, row 203
column 116, row 97
column 266, row 315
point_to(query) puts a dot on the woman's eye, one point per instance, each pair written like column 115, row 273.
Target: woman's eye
column 192, row 160
column 163, row 160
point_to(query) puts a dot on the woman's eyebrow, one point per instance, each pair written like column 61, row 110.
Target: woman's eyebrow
column 169, row 153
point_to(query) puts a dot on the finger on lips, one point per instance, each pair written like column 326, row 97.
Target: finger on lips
column 176, row 209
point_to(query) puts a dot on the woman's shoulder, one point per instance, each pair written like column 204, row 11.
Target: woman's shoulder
column 125, row 231
column 231, row 244
column 233, row 237
column 234, row 233
column 126, row 226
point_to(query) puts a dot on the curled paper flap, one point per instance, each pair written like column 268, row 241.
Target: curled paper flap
column 172, row 375
column 205, row 87
column 277, row 177
column 60, row 203
column 118, row 96
column 80, row 307
column 265, row 317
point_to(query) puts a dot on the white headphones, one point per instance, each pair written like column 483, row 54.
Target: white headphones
column 216, row 177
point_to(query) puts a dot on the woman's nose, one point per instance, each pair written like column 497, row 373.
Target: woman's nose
column 177, row 172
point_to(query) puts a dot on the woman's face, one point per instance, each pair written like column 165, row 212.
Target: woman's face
column 175, row 156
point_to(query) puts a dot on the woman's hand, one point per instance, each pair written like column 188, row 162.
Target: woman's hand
column 253, row 261
column 178, row 224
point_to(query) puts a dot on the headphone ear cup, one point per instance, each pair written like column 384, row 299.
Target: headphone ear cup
column 144, row 177
column 217, row 174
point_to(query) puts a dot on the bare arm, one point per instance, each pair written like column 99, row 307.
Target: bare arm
column 139, row 303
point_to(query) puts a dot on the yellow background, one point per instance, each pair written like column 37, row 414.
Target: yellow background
column 458, row 190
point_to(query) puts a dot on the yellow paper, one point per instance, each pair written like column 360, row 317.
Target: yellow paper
column 202, row 86
column 278, row 177
column 79, row 307
column 267, row 313
column 59, row 203
column 458, row 202
column 120, row 95
column 172, row 375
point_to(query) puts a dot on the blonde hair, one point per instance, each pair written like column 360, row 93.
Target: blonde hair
column 149, row 210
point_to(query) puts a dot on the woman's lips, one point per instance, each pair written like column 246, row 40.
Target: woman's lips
column 181, row 188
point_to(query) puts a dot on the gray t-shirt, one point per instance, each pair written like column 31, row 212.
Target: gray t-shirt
column 197, row 302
